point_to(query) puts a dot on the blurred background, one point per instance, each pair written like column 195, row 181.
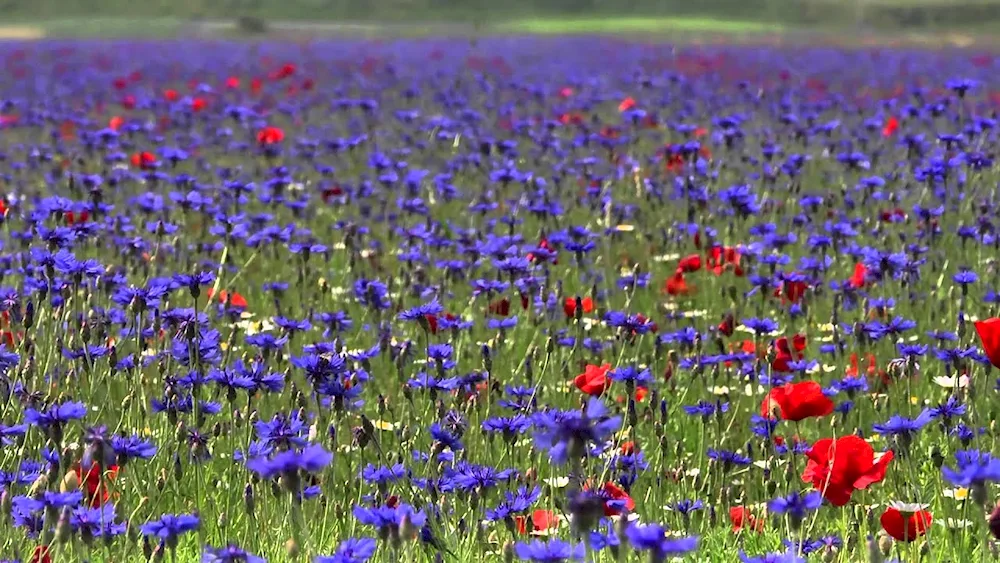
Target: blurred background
column 199, row 17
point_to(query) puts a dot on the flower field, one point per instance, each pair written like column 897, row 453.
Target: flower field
column 516, row 300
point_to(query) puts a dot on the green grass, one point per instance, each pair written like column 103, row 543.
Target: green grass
column 108, row 27
column 567, row 26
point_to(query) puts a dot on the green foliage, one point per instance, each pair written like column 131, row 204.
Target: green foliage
column 252, row 15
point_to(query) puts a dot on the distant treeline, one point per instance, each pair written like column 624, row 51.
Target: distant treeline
column 874, row 14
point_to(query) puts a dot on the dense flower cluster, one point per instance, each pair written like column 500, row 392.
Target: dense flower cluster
column 543, row 300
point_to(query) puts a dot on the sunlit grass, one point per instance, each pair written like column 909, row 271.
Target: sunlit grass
column 565, row 26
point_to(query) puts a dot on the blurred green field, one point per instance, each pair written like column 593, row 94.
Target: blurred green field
column 123, row 18
column 564, row 26
column 678, row 28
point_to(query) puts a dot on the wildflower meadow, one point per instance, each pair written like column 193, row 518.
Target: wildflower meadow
column 520, row 299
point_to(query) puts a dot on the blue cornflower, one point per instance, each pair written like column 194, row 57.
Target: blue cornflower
column 903, row 428
column 653, row 538
column 8, row 433
column 608, row 538
column 420, row 312
column 788, row 557
column 53, row 418
column 170, row 526
column 351, row 550
column 796, row 505
column 140, row 299
column 194, row 281
column 760, row 327
column 446, row 437
column 312, row 459
column 706, row 409
column 687, row 506
column 388, row 519
column 381, row 475
column 632, row 375
column 952, row 408
column 514, row 503
column 229, row 554
column 552, row 551
column 472, row 478
column 632, row 325
column 727, row 458
column 509, row 426
column 973, row 470
column 568, row 434
column 231, row 381
column 424, row 380
column 851, row 385
column 292, row 326
column 96, row 522
column 262, row 379
column 964, row 277
column 372, row 294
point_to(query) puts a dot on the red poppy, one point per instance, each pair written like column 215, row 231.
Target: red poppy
column 674, row 162
column 905, row 526
column 115, row 122
column 198, row 104
column 640, row 395
column 170, row 95
column 270, row 135
column 432, row 323
column 741, row 517
column 677, row 285
column 565, row 92
column 857, row 280
column 989, row 337
column 594, row 380
column 40, row 555
column 691, row 263
column 728, row 325
column 233, row 82
column 839, row 467
column 234, row 299
column 500, row 307
column 785, row 354
column 143, row 160
column 618, row 499
column 791, row 291
column 893, row 215
column 721, row 257
column 572, row 118
column 255, row 85
column 541, row 520
column 128, row 102
column 569, row 306
column 94, row 485
column 67, row 130
column 626, row 104
column 796, row 401
column 285, row 71
column 10, row 338
column 72, row 218
column 890, row 127
column 543, row 245
column 332, row 192
column 642, row 319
